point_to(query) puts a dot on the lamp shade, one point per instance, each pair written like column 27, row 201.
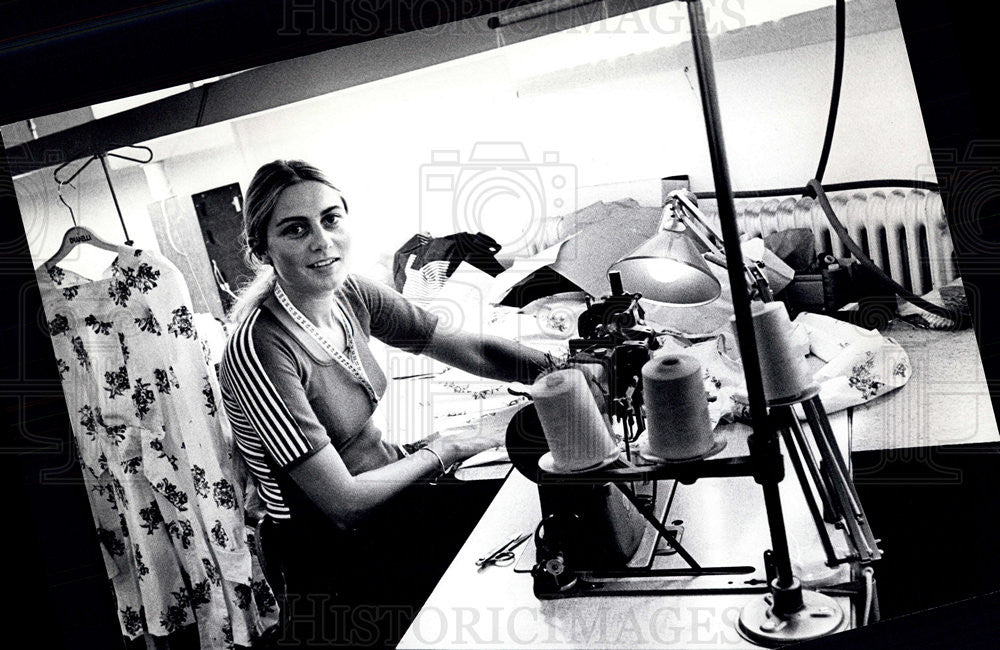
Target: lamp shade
column 668, row 269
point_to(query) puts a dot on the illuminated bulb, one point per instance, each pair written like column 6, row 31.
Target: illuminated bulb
column 665, row 271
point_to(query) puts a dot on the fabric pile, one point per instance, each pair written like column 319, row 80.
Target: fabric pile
column 851, row 365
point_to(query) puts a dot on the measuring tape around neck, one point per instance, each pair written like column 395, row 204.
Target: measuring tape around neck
column 353, row 364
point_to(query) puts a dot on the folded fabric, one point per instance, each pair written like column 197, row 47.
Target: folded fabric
column 851, row 365
column 558, row 315
column 577, row 250
column 860, row 364
column 531, row 278
column 778, row 274
column 795, row 246
column 426, row 261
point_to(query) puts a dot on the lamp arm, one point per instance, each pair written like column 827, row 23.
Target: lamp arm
column 681, row 207
column 688, row 212
column 759, row 282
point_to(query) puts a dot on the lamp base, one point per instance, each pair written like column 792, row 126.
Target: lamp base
column 819, row 616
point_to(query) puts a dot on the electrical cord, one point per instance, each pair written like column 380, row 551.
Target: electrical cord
column 832, row 187
column 838, row 78
column 815, row 190
column 840, row 22
column 869, row 574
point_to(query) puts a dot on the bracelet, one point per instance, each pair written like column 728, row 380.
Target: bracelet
column 436, row 455
column 550, row 364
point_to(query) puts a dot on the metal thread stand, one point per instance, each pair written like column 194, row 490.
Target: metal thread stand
column 786, row 616
column 827, row 489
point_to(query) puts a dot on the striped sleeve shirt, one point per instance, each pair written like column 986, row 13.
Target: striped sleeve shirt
column 286, row 399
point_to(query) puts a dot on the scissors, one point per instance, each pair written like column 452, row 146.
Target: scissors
column 504, row 555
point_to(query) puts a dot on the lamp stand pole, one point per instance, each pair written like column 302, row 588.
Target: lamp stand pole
column 788, row 614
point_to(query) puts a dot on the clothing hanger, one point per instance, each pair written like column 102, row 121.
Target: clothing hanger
column 75, row 236
column 102, row 156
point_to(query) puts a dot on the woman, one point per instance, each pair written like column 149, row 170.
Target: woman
column 300, row 384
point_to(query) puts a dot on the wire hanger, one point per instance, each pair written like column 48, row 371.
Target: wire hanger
column 102, row 156
column 62, row 200
column 76, row 235
column 93, row 157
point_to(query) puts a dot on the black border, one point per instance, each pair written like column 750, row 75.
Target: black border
column 52, row 59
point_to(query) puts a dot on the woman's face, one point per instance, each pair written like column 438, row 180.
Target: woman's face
column 307, row 240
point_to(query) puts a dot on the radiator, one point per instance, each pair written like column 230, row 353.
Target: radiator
column 904, row 231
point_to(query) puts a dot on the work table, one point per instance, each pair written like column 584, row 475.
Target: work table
column 725, row 524
column 946, row 401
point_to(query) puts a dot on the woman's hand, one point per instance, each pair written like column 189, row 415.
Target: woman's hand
column 466, row 441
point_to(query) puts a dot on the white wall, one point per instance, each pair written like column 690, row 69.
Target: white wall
column 373, row 141
column 376, row 140
column 774, row 108
column 618, row 134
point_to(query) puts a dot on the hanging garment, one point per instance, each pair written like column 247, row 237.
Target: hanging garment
column 156, row 451
column 423, row 264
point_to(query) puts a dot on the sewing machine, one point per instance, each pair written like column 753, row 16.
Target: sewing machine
column 589, row 525
column 593, row 522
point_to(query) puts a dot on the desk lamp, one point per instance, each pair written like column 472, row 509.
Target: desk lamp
column 669, row 270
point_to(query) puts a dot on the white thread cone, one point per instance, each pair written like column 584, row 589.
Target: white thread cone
column 574, row 427
column 677, row 420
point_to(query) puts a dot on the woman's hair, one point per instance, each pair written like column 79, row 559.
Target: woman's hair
column 262, row 195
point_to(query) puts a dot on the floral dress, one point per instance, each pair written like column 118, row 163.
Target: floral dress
column 156, row 451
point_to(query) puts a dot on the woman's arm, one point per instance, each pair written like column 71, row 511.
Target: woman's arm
column 396, row 321
column 494, row 357
column 347, row 499
column 263, row 390
column 487, row 356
